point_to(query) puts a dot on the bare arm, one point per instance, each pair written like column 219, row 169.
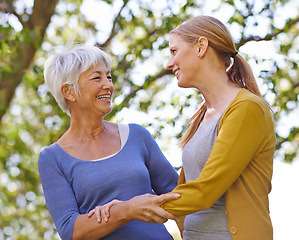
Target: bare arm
column 89, row 228
column 144, row 208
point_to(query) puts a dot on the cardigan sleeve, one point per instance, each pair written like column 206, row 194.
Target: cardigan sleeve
column 240, row 136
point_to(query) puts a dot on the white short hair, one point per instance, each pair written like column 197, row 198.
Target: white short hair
column 66, row 68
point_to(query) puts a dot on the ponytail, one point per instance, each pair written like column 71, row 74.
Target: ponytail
column 240, row 73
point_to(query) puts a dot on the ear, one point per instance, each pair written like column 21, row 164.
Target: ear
column 68, row 92
column 202, row 46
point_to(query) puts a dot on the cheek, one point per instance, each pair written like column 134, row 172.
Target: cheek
column 191, row 65
column 187, row 67
column 187, row 59
column 112, row 88
column 188, row 73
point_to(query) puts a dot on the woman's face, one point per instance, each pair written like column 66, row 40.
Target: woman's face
column 96, row 90
column 183, row 61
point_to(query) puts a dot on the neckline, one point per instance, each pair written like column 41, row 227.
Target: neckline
column 123, row 145
column 215, row 119
column 221, row 114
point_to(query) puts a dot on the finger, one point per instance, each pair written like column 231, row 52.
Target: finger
column 169, row 197
column 152, row 217
column 109, row 205
column 106, row 209
column 158, row 219
column 104, row 213
column 164, row 214
column 98, row 214
column 91, row 213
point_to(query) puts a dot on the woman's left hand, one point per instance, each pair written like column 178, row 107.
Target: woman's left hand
column 103, row 212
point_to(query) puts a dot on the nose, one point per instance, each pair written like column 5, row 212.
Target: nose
column 108, row 84
column 169, row 64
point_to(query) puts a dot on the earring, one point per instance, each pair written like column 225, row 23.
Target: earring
column 74, row 100
column 198, row 55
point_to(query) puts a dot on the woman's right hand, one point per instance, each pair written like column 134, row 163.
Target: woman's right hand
column 147, row 208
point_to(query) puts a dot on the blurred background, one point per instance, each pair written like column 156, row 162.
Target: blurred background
column 135, row 34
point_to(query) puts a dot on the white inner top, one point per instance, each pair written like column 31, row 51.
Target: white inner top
column 123, row 130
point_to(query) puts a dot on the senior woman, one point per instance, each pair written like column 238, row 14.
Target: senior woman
column 96, row 161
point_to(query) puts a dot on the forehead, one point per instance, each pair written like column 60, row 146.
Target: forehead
column 100, row 66
column 175, row 40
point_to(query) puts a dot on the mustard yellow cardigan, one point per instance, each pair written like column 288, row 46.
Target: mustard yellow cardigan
column 239, row 166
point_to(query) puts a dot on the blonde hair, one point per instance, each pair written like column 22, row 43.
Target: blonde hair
column 220, row 39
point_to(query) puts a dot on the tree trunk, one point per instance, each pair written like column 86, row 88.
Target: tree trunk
column 36, row 27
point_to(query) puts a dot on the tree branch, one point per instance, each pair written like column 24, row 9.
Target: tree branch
column 295, row 84
column 114, row 27
column 7, row 7
column 133, row 92
column 289, row 138
column 147, row 81
column 37, row 25
column 41, row 14
column 269, row 36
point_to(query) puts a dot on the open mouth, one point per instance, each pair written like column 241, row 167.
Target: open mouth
column 104, row 97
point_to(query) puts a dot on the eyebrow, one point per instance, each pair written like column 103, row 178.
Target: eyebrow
column 99, row 72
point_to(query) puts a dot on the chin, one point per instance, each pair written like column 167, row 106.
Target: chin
column 182, row 85
column 106, row 111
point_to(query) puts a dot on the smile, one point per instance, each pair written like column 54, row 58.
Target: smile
column 104, row 97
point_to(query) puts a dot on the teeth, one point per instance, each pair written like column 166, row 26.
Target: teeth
column 103, row 97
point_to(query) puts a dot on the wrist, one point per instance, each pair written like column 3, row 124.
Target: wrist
column 124, row 210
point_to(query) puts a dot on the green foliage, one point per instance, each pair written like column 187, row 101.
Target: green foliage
column 138, row 42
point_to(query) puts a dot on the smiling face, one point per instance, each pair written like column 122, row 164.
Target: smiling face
column 182, row 61
column 96, row 90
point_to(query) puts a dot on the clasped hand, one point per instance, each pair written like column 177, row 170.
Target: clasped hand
column 145, row 208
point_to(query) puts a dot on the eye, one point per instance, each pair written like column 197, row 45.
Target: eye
column 96, row 78
column 173, row 51
column 109, row 77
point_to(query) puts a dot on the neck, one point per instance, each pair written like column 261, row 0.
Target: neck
column 218, row 91
column 87, row 128
column 213, row 83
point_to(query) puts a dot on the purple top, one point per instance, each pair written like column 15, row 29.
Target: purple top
column 72, row 186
